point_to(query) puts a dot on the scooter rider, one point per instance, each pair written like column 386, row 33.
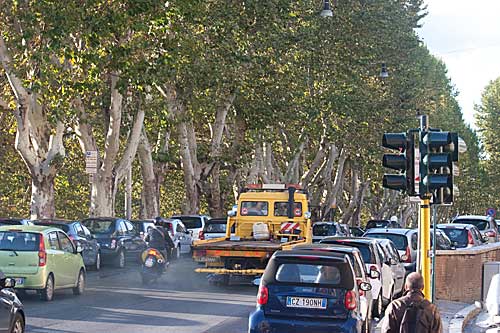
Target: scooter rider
column 159, row 239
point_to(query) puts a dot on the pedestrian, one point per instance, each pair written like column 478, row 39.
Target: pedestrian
column 412, row 313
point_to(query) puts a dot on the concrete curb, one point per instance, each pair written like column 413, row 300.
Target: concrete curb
column 462, row 318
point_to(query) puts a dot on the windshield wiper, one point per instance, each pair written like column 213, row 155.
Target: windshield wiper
column 10, row 250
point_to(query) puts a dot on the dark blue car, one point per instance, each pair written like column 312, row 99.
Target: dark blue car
column 308, row 291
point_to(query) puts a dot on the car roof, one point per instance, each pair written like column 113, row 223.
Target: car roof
column 454, row 225
column 399, row 231
column 28, row 228
column 142, row 221
column 218, row 220
column 193, row 215
column 358, row 240
column 332, row 247
column 324, row 223
column 102, row 218
column 325, row 255
column 19, row 219
column 53, row 221
column 471, row 217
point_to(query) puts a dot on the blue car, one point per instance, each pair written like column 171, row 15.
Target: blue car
column 308, row 291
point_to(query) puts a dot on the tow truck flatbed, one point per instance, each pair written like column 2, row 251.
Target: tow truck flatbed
column 241, row 245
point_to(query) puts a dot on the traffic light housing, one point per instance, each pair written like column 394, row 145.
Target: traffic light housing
column 438, row 152
column 402, row 162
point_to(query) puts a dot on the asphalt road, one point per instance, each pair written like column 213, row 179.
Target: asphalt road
column 116, row 301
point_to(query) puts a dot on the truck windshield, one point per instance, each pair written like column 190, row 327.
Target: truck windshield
column 19, row 241
column 254, row 208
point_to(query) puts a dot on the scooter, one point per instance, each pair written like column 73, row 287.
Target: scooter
column 154, row 264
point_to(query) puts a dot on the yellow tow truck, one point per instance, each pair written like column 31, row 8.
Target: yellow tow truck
column 267, row 218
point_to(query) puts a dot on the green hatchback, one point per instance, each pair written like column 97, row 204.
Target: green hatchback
column 41, row 258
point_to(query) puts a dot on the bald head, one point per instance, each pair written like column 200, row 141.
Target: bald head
column 414, row 281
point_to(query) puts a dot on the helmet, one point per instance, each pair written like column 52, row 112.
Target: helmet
column 394, row 218
column 157, row 220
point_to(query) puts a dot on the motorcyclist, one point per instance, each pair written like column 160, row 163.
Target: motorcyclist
column 159, row 239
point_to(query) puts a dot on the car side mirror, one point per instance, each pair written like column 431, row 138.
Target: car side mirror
column 189, row 232
column 365, row 286
column 79, row 249
column 392, row 261
column 374, row 274
column 8, row 283
column 486, row 239
column 404, row 257
column 256, row 282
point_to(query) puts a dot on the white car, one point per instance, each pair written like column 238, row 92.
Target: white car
column 193, row 223
column 180, row 235
column 215, row 228
column 393, row 260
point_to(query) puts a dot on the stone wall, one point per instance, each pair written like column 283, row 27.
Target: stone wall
column 459, row 272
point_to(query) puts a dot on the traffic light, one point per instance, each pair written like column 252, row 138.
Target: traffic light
column 402, row 162
column 438, row 152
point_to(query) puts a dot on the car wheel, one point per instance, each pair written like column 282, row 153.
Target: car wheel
column 378, row 310
column 47, row 293
column 97, row 265
column 120, row 259
column 367, row 326
column 18, row 324
column 80, row 285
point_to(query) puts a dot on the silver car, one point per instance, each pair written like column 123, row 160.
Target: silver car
column 486, row 225
column 463, row 235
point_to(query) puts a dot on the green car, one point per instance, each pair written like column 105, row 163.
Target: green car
column 41, row 258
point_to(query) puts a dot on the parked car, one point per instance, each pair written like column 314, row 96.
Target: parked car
column 12, row 317
column 215, row 228
column 322, row 230
column 42, row 259
column 382, row 224
column 142, row 226
column 373, row 256
column 80, row 235
column 366, row 301
column 393, row 260
column 486, row 225
column 193, row 223
column 346, row 230
column 308, row 291
column 180, row 236
column 15, row 221
column 356, row 231
column 117, row 238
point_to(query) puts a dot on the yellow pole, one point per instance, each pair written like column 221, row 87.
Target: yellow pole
column 425, row 245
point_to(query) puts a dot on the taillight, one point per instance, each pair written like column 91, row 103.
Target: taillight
column 408, row 255
column 42, row 255
column 490, row 233
column 358, row 282
column 201, row 235
column 470, row 240
column 350, row 300
column 262, row 295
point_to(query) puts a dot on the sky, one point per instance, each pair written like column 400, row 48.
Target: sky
column 465, row 34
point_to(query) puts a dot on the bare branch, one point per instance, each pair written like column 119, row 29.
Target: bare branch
column 133, row 142
column 56, row 148
column 112, row 143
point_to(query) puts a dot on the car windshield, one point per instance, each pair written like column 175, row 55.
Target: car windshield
column 400, row 241
column 323, row 230
column 480, row 224
column 215, row 227
column 99, row 226
column 335, row 274
column 457, row 235
column 19, row 241
column 191, row 222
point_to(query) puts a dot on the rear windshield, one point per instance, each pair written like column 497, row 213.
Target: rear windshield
column 99, row 226
column 377, row 224
column 191, row 222
column 400, row 241
column 480, row 224
column 254, row 208
column 281, row 209
column 215, row 227
column 334, row 274
column 19, row 241
column 457, row 235
column 324, row 230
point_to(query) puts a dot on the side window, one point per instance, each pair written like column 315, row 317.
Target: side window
column 380, row 254
column 179, row 228
column 66, row 243
column 130, row 227
column 395, row 253
column 360, row 264
column 122, row 229
column 357, row 270
column 79, row 230
column 414, row 241
column 53, row 242
column 86, row 231
column 477, row 234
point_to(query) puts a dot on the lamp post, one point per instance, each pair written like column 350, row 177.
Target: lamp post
column 327, row 10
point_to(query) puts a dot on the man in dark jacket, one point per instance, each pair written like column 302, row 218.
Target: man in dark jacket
column 159, row 239
column 412, row 312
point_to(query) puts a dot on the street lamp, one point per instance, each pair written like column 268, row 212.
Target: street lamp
column 327, row 10
column 383, row 71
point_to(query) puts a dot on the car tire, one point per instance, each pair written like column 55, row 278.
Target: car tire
column 18, row 324
column 47, row 293
column 80, row 284
column 367, row 326
column 120, row 259
column 97, row 265
column 378, row 309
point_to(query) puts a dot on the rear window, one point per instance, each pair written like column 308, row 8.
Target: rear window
column 324, row 273
column 324, row 230
column 400, row 241
column 254, row 208
column 19, row 241
column 191, row 222
column 99, row 226
column 457, row 235
column 281, row 209
column 215, row 227
column 480, row 224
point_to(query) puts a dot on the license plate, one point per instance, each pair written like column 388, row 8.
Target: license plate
column 306, row 303
column 19, row 281
column 149, row 262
